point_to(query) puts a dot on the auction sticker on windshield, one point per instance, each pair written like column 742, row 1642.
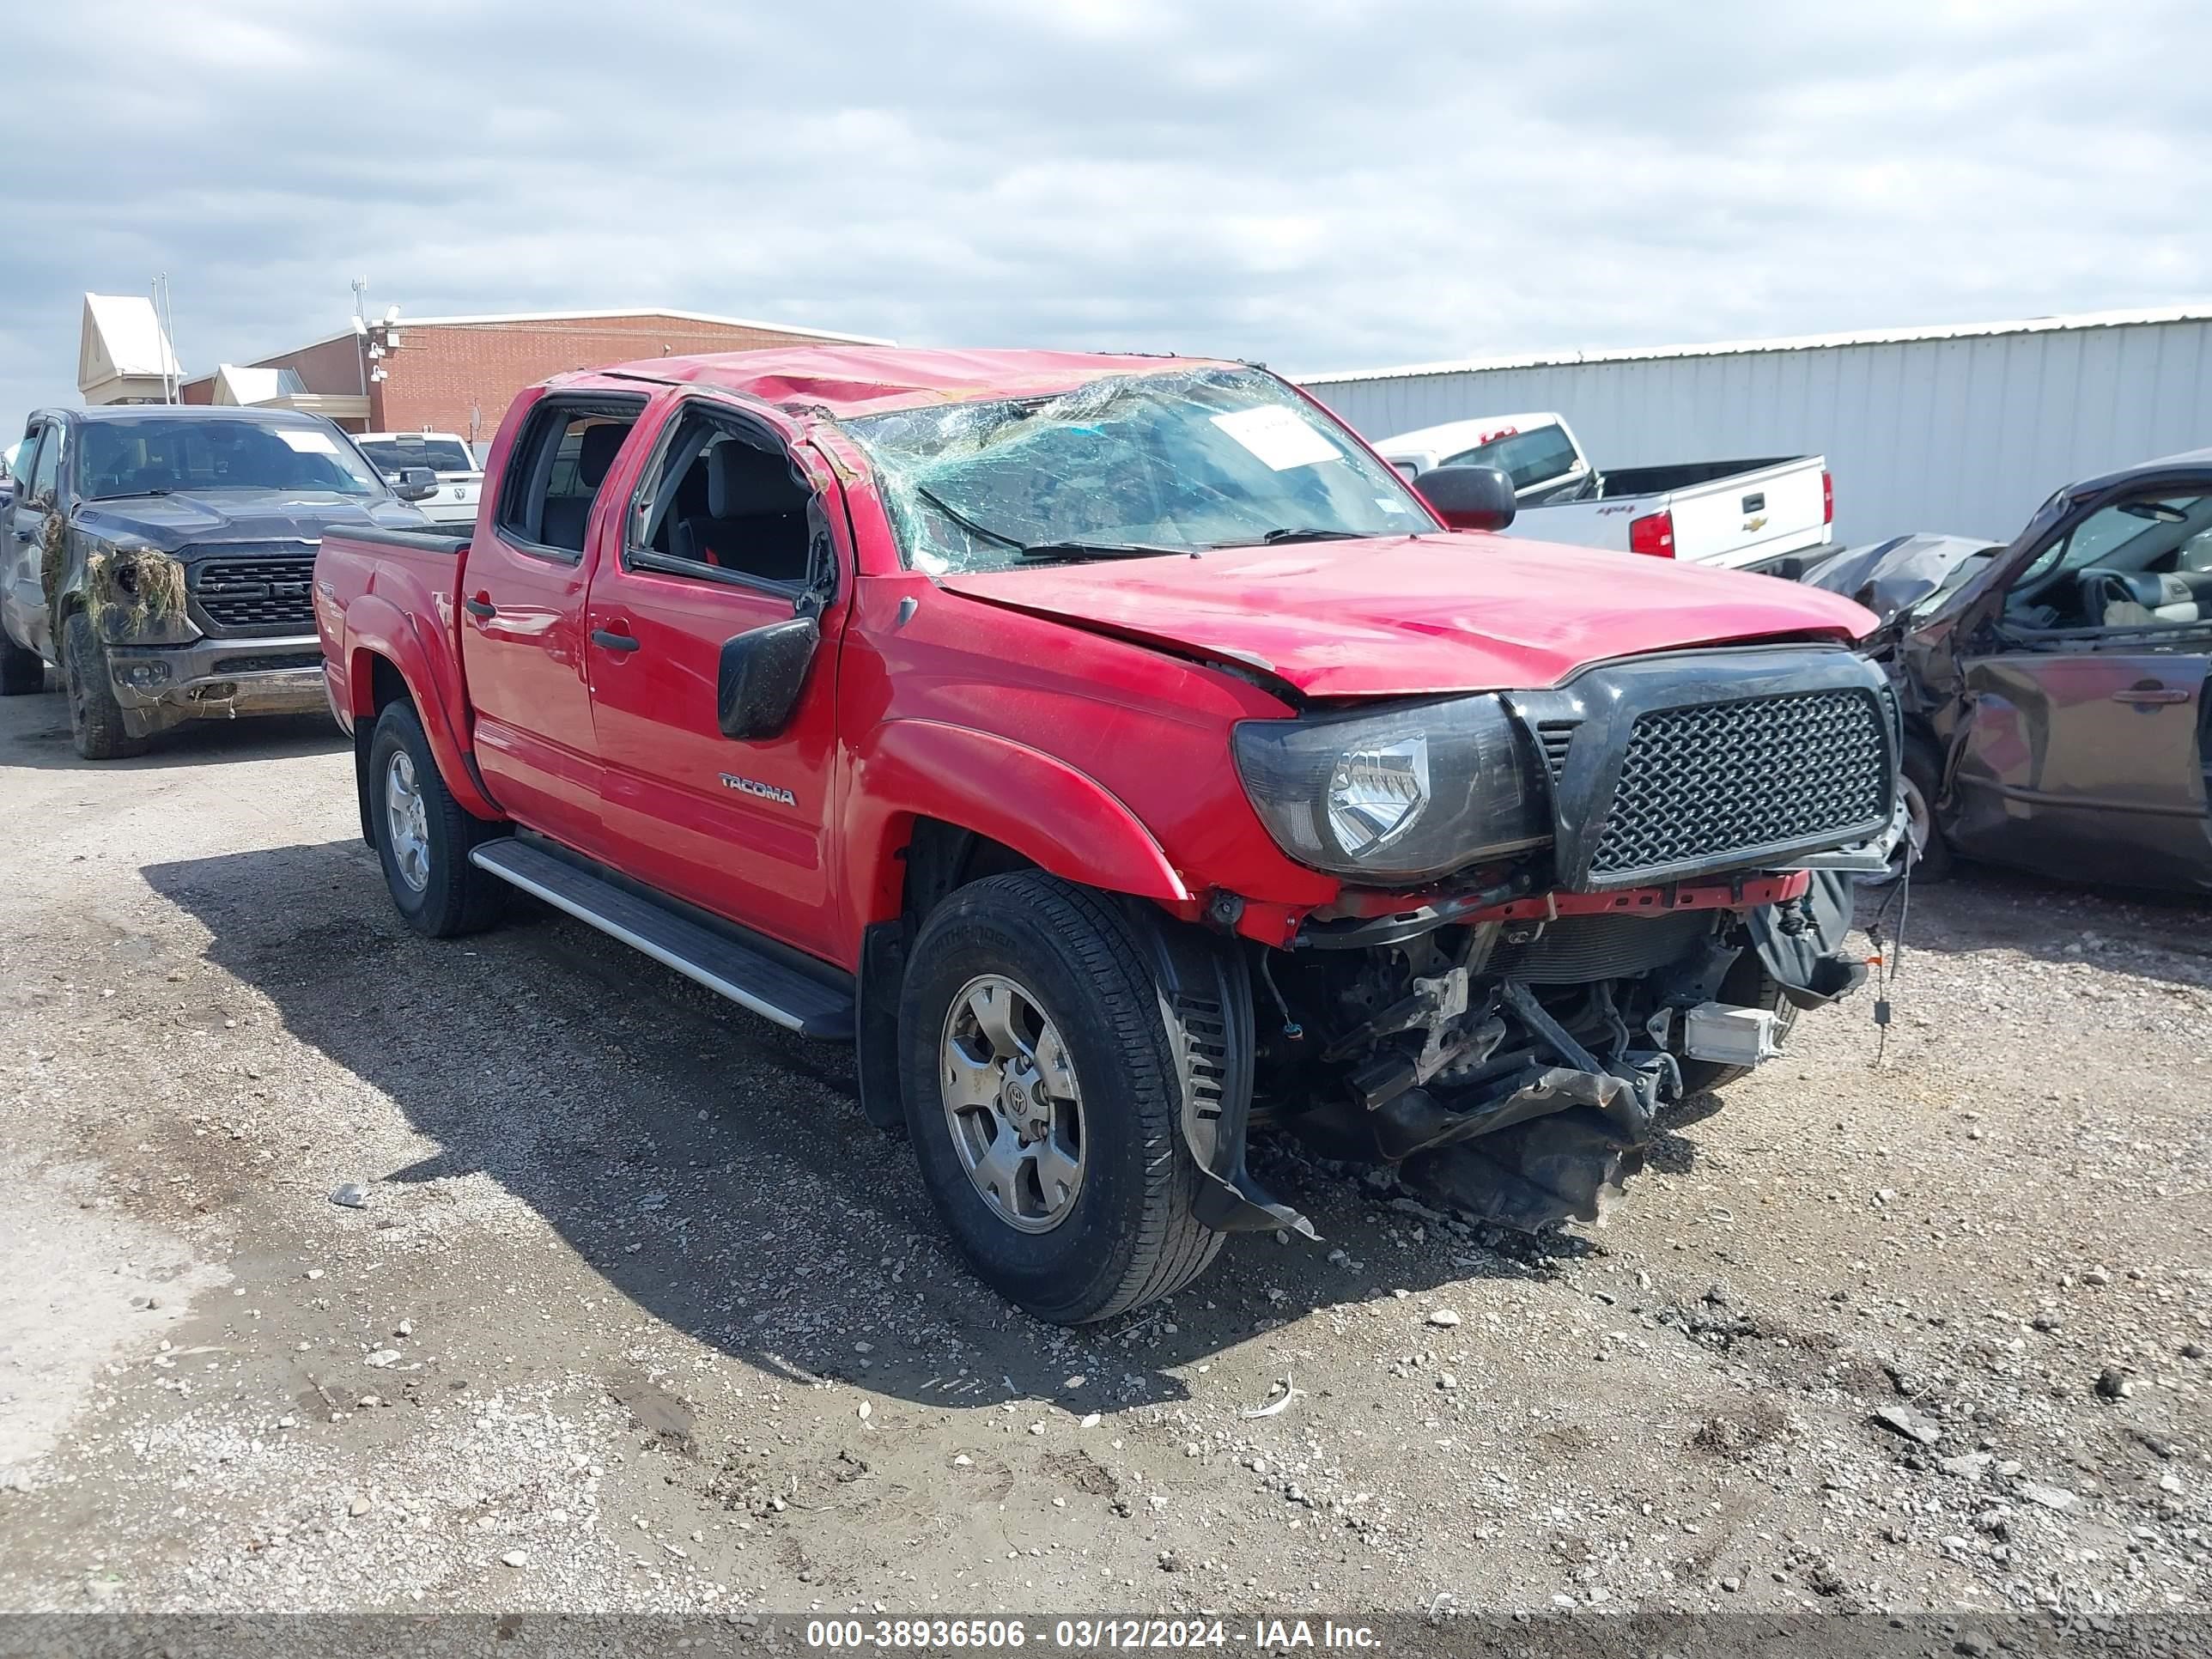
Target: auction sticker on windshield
column 1278, row 437
column 306, row 441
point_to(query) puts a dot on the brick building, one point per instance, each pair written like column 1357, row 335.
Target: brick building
column 458, row 374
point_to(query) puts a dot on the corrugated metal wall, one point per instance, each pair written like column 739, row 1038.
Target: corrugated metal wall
column 1966, row 434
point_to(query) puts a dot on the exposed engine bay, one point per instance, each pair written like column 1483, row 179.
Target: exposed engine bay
column 1515, row 1068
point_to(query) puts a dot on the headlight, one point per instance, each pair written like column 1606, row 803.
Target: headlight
column 1399, row 797
column 136, row 594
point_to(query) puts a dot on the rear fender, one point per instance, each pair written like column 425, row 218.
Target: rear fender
column 374, row 628
column 1063, row 821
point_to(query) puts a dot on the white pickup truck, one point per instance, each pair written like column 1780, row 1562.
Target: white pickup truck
column 1746, row 515
column 460, row 474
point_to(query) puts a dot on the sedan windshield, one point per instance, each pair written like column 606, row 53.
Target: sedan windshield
column 1130, row 465
column 161, row 455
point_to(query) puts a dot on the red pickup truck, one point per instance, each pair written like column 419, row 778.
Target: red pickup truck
column 1122, row 756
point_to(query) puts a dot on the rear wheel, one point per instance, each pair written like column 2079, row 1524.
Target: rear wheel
column 22, row 672
column 1043, row 1102
column 423, row 836
column 95, row 717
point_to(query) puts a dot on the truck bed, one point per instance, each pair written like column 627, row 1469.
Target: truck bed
column 1681, row 475
column 1737, row 514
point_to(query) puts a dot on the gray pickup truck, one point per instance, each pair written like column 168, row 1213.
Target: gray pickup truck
column 162, row 558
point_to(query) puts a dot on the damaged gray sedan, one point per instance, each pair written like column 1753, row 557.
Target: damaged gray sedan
column 2053, row 687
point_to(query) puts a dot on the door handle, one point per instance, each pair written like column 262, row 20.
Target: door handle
column 480, row 607
column 612, row 641
column 2140, row 694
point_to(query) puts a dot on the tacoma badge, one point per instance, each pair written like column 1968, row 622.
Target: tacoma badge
column 754, row 787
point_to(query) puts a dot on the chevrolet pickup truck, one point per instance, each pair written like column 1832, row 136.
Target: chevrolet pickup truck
column 1123, row 757
column 1772, row 513
column 160, row 557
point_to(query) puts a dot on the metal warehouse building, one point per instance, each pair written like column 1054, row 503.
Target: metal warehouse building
column 1965, row 429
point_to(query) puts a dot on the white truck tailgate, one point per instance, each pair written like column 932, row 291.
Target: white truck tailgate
column 1751, row 516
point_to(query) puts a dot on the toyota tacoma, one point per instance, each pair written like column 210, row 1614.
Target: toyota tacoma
column 1124, row 757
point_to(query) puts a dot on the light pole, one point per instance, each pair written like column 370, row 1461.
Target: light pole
column 361, row 342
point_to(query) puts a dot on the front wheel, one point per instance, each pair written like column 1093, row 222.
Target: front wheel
column 1921, row 849
column 1043, row 1101
column 95, row 717
column 1924, row 779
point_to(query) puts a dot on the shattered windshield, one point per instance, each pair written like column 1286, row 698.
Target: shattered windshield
column 1129, row 465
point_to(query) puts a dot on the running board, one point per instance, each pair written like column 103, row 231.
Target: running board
column 750, row 978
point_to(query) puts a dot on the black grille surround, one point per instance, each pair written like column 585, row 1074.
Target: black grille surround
column 1664, row 768
column 248, row 589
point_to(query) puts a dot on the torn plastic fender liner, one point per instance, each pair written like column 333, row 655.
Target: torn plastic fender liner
column 1802, row 943
column 1206, row 1008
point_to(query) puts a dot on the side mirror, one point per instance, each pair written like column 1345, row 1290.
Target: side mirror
column 1469, row 497
column 763, row 670
column 416, row 483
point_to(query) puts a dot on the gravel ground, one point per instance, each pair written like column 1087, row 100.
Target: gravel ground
column 638, row 1314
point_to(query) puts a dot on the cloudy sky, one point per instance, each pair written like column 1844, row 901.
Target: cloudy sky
column 1316, row 183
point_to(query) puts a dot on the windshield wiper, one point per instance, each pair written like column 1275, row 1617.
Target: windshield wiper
column 126, row 495
column 1105, row 550
column 1313, row 534
column 1052, row 549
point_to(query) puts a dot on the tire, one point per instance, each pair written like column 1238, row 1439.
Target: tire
column 1749, row 985
column 95, row 717
column 1123, row 1231
column 1923, row 774
column 22, row 672
column 433, row 885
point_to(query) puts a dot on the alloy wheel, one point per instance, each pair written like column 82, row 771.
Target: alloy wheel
column 407, row 821
column 1012, row 1103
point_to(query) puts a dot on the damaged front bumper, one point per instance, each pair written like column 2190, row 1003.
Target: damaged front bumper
column 159, row 686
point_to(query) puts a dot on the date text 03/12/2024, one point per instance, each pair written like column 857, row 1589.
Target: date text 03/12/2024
column 1082, row 1634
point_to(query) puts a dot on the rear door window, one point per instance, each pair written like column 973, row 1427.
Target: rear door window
column 554, row 475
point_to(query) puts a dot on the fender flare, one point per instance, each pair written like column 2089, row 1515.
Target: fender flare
column 374, row 627
column 1063, row 821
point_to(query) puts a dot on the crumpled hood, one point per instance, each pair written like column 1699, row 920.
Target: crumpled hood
column 1401, row 615
column 171, row 522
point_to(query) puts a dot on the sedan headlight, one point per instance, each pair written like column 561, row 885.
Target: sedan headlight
column 1398, row 797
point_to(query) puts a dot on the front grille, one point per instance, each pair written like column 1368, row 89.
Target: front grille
column 1697, row 785
column 264, row 594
